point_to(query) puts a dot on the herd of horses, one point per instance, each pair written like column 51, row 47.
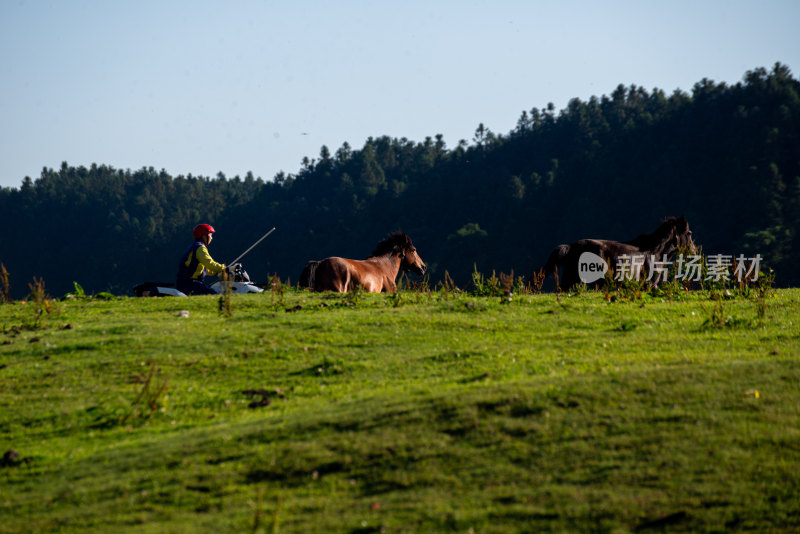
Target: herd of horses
column 379, row 271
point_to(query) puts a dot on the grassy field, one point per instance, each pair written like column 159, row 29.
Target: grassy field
column 423, row 412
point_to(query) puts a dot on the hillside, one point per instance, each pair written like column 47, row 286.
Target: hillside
column 423, row 412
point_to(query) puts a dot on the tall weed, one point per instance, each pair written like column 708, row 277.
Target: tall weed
column 718, row 316
column 421, row 285
column 502, row 285
column 537, row 281
column 447, row 288
column 150, row 398
column 41, row 302
column 277, row 291
column 224, row 306
column 5, row 289
column 623, row 290
column 395, row 299
column 763, row 291
column 353, row 296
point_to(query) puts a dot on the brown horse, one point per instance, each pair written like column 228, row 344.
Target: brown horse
column 673, row 234
column 375, row 274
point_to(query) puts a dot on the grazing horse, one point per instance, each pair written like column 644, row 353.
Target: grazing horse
column 375, row 274
column 673, row 234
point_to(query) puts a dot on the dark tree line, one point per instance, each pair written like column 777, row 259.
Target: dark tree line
column 725, row 156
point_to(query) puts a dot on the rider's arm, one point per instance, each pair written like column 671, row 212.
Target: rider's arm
column 205, row 260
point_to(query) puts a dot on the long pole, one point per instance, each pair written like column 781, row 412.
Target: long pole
column 252, row 246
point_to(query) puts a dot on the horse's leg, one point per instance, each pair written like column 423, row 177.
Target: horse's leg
column 389, row 286
column 376, row 283
column 366, row 275
column 555, row 259
column 341, row 280
column 569, row 268
column 568, row 279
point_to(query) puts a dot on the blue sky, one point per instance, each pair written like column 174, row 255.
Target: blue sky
column 204, row 87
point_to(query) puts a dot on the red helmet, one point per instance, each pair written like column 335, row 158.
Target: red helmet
column 202, row 229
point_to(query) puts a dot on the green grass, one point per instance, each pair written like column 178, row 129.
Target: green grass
column 424, row 413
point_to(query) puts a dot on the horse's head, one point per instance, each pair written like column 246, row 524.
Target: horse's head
column 410, row 261
column 399, row 244
column 682, row 236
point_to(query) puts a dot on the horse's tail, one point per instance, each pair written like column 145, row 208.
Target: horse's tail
column 309, row 274
column 555, row 259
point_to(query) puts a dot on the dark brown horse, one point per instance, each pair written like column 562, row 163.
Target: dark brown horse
column 375, row 274
column 673, row 234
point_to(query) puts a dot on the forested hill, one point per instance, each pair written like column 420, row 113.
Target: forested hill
column 725, row 156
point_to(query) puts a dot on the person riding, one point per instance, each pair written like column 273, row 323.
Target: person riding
column 196, row 262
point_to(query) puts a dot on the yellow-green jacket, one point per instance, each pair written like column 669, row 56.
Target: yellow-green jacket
column 196, row 263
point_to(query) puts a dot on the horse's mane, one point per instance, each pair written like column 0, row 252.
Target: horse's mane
column 669, row 227
column 396, row 239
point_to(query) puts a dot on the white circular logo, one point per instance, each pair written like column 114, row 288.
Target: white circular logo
column 591, row 267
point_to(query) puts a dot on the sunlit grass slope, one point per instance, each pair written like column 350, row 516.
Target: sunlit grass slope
column 427, row 412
